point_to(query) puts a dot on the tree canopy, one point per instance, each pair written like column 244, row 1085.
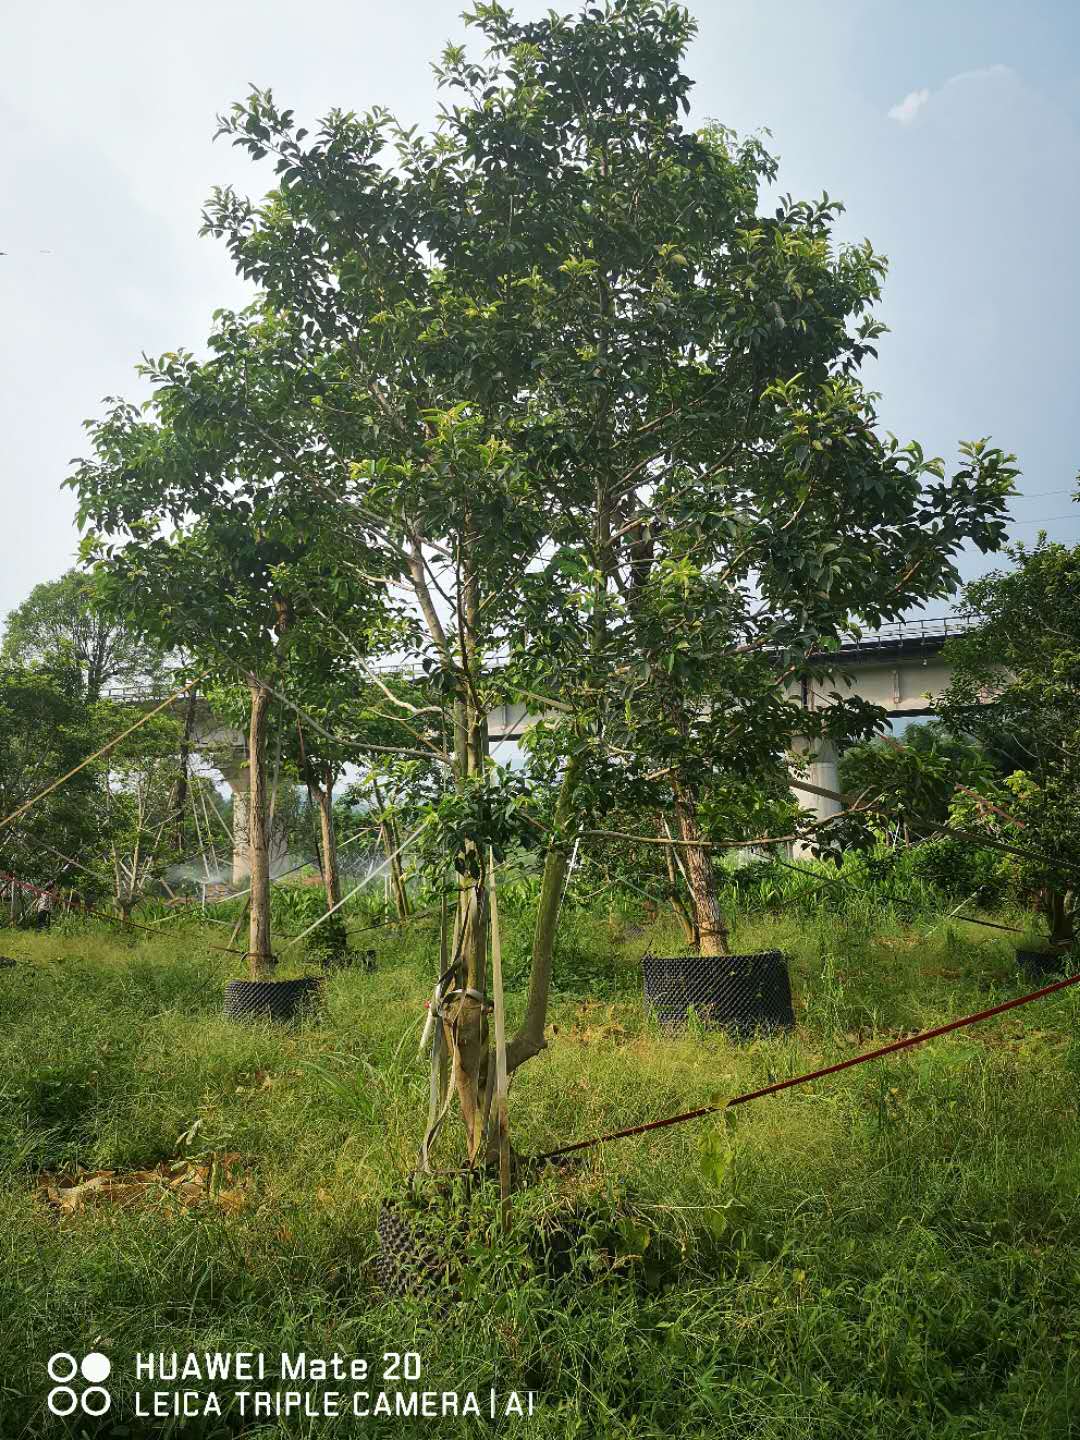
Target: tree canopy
column 576, row 416
column 58, row 620
column 1016, row 688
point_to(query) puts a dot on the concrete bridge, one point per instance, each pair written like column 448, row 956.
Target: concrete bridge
column 899, row 667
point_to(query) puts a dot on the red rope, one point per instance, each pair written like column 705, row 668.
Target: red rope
column 815, row 1074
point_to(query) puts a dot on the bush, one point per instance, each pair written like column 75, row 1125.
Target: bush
column 959, row 870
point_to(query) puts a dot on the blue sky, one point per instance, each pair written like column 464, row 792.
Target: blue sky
column 950, row 130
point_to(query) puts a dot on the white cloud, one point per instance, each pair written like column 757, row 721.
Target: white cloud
column 988, row 72
column 905, row 110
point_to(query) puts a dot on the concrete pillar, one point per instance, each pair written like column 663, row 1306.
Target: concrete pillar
column 241, row 855
column 235, row 774
column 824, row 772
column 238, row 778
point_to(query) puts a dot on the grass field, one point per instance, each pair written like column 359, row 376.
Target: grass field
column 889, row 1252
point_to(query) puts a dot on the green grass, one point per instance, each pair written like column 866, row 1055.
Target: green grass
column 889, row 1252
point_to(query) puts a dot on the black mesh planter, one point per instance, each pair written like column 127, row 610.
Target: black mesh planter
column 1039, row 964
column 410, row 1247
column 278, row 1000
column 740, row 993
column 418, row 1255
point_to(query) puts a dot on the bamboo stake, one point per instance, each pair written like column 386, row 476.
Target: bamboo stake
column 502, row 1109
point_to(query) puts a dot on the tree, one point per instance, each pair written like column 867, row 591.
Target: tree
column 1016, row 686
column 218, row 586
column 58, row 620
column 548, row 349
column 46, row 728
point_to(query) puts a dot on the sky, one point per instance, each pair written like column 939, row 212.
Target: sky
column 951, row 132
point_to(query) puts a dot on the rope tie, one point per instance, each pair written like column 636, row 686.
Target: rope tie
column 446, row 995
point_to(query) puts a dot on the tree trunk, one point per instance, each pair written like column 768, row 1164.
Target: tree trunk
column 1060, row 915
column 324, row 796
column 397, row 873
column 707, row 915
column 465, row 1024
column 529, row 1040
column 391, row 843
column 689, row 929
column 260, row 959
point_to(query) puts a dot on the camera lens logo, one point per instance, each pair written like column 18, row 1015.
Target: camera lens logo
column 94, row 1368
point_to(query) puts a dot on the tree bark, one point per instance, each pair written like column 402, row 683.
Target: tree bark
column 466, row 1018
column 529, row 1040
column 324, row 796
column 707, row 914
column 1060, row 914
column 681, row 913
column 260, row 960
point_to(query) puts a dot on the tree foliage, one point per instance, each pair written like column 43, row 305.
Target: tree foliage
column 58, row 622
column 1016, row 688
column 574, row 418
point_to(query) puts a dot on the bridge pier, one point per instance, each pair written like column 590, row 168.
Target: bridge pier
column 824, row 773
column 238, row 778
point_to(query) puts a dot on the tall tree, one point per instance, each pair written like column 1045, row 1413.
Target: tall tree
column 58, row 620
column 546, row 350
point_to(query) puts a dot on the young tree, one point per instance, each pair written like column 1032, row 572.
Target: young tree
column 218, row 586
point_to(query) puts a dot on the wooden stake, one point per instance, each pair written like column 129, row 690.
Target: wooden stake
column 502, row 1109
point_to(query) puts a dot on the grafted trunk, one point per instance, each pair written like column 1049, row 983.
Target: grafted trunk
column 466, row 1018
column 707, row 915
column 260, row 959
column 466, row 1025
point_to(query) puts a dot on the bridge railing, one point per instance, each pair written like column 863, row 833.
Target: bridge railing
column 929, row 632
